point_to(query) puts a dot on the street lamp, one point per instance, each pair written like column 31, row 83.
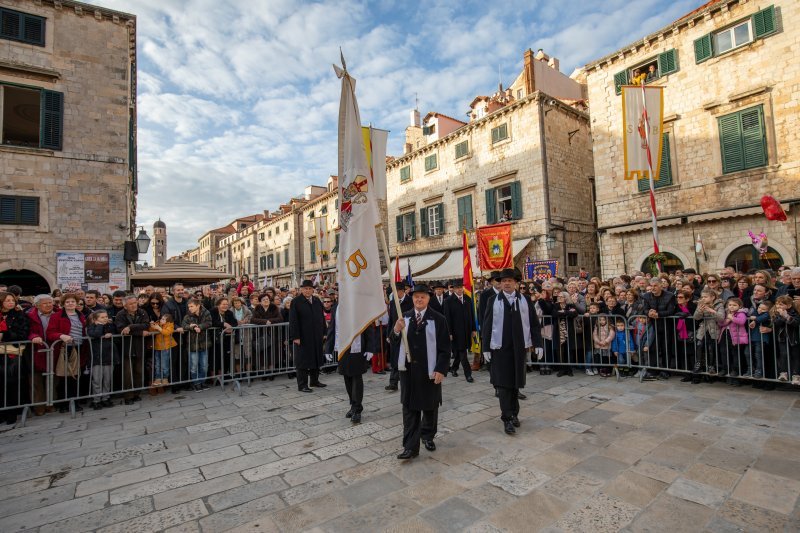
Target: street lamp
column 550, row 243
column 142, row 241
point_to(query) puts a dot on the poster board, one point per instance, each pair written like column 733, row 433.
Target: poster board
column 101, row 270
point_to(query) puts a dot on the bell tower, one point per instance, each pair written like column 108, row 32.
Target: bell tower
column 159, row 243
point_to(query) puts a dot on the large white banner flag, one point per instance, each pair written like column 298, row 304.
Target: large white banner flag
column 358, row 265
column 321, row 232
column 643, row 130
column 375, row 145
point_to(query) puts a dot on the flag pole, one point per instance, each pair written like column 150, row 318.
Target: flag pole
column 385, row 248
column 653, row 211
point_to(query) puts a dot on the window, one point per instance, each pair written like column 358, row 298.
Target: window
column 429, row 130
column 313, row 244
column 462, row 149
column 405, row 173
column 519, row 94
column 285, row 226
column 572, row 259
column 500, row 132
column 262, row 263
column 665, row 168
column 270, row 261
column 19, row 210
column 647, row 71
column 277, row 230
column 743, row 140
column 406, row 227
column 286, row 257
column 465, row 218
column 261, row 236
column 430, row 162
column 32, row 117
column 761, row 24
column 22, row 27
column 336, row 247
column 323, row 210
column 277, row 259
column 504, row 203
column 432, row 219
column 269, row 233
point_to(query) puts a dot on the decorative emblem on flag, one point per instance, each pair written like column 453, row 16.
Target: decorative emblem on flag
column 495, row 248
column 353, row 194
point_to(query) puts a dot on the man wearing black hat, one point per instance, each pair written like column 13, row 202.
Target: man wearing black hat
column 510, row 330
column 460, row 317
column 406, row 304
column 422, row 370
column 439, row 297
column 307, row 332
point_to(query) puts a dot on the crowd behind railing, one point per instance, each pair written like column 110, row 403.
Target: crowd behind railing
column 64, row 350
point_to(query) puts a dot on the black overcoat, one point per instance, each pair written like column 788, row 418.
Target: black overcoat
column 436, row 306
column 418, row 392
column 353, row 363
column 507, row 367
column 461, row 321
column 307, row 323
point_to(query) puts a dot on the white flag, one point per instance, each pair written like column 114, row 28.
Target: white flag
column 321, row 232
column 643, row 131
column 375, row 145
column 358, row 264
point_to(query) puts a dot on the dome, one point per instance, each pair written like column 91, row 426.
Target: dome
column 159, row 224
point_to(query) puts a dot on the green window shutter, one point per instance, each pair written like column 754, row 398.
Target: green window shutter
column 703, row 49
column 10, row 24
column 495, row 135
column 313, row 251
column 277, row 259
column 430, row 162
column 399, row 223
column 286, row 257
column 413, row 226
column 33, row 29
column 730, row 138
column 764, row 22
column 29, row 211
column 462, row 149
column 441, row 219
column 470, row 218
column 620, row 79
column 491, row 206
column 665, row 169
column 465, row 212
column 52, row 119
column 8, row 210
column 516, row 200
column 668, row 62
column 754, row 143
column 423, row 221
column 405, row 173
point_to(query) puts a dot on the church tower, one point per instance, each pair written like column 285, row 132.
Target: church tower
column 159, row 243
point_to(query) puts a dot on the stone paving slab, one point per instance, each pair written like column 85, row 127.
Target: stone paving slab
column 592, row 454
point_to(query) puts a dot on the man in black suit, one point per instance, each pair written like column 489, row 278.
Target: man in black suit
column 460, row 315
column 406, row 304
column 422, row 371
column 439, row 297
column 307, row 333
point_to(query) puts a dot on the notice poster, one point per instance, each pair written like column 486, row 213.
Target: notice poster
column 104, row 271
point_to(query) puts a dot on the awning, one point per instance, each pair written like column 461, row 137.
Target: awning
column 420, row 264
column 171, row 272
column 731, row 213
column 644, row 226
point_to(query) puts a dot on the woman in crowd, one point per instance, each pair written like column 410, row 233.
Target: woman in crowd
column 223, row 321
column 244, row 343
column 66, row 334
column 743, row 289
column 14, row 327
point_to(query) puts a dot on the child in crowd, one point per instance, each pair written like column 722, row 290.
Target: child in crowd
column 709, row 313
column 787, row 337
column 760, row 338
column 622, row 346
column 162, row 348
column 589, row 320
column 643, row 339
column 196, row 322
column 99, row 329
column 733, row 340
column 603, row 336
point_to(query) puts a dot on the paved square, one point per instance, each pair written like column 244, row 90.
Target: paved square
column 591, row 455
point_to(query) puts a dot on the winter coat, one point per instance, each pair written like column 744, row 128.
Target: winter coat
column 16, row 327
column 162, row 340
column 787, row 329
column 761, row 320
column 39, row 350
column 307, row 323
column 249, row 286
column 197, row 342
column 643, row 334
column 709, row 320
column 553, row 313
column 270, row 315
column 623, row 342
column 102, row 351
column 133, row 344
column 352, row 363
column 460, row 321
column 737, row 327
column 602, row 335
column 61, row 325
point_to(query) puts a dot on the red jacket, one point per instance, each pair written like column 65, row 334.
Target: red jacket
column 60, row 325
column 37, row 330
column 249, row 286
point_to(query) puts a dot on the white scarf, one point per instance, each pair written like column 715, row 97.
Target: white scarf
column 498, row 315
column 430, row 345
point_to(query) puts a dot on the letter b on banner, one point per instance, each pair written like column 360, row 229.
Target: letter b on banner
column 356, row 263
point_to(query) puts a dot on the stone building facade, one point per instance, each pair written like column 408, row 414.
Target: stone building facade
column 315, row 258
column 68, row 137
column 525, row 153
column 731, row 128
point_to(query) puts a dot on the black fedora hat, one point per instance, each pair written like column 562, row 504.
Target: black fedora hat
column 507, row 273
column 421, row 287
column 438, row 284
column 307, row 283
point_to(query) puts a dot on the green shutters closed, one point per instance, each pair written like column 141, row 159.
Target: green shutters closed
column 667, row 62
column 22, row 27
column 703, row 49
column 764, row 22
column 500, row 132
column 440, row 218
column 51, row 119
column 665, row 171
column 286, row 257
column 465, row 219
column 423, row 221
column 620, row 79
column 743, row 140
column 313, row 245
column 491, row 206
column 430, row 162
column 19, row 210
column 405, row 174
column 516, row 200
column 462, row 149
column 399, row 224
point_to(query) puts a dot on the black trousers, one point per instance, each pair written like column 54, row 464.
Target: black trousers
column 394, row 373
column 509, row 403
column 302, row 377
column 418, row 425
column 460, row 357
column 355, row 391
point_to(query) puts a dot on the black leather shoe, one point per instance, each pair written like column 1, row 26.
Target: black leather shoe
column 429, row 445
column 470, row 380
column 349, row 414
column 454, row 373
column 561, row 373
column 509, row 429
column 515, row 421
column 318, row 384
column 407, row 454
column 521, row 396
column 305, row 389
column 390, row 387
column 356, row 419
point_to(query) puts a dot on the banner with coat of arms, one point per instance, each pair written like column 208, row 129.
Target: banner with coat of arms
column 643, row 121
column 494, row 247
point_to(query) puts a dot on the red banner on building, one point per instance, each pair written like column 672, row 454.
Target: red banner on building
column 494, row 247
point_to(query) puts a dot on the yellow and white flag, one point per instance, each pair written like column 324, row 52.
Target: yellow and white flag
column 321, row 233
column 358, row 265
column 375, row 145
column 643, row 119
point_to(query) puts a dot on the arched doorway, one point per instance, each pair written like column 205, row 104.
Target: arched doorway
column 669, row 265
column 31, row 282
column 746, row 258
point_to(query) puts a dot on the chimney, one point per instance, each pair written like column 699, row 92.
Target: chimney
column 266, row 214
column 530, row 84
column 414, row 118
column 553, row 63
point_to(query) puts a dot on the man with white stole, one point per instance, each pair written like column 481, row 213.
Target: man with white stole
column 422, row 370
column 511, row 330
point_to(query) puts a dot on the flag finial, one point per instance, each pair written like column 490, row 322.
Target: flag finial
column 341, row 54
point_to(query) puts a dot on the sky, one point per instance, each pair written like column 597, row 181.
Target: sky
column 238, row 102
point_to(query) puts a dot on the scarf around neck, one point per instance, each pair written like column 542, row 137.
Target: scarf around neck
column 498, row 317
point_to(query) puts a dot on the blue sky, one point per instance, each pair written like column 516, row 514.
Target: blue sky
column 238, row 102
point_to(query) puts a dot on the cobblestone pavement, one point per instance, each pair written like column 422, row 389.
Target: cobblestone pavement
column 591, row 455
